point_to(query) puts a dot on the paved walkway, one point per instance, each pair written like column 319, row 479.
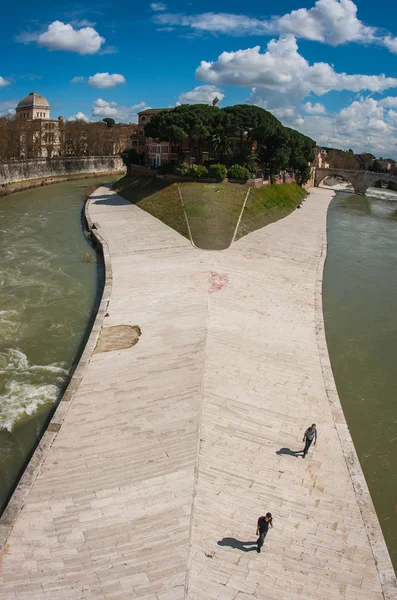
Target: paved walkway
column 172, row 448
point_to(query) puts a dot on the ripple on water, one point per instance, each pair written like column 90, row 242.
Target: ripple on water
column 24, row 387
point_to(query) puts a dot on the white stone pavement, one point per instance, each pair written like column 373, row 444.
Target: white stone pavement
column 168, row 453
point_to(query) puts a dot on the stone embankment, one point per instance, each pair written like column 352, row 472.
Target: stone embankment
column 178, row 439
column 24, row 170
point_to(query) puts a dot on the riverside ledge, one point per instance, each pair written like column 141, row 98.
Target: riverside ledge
column 168, row 453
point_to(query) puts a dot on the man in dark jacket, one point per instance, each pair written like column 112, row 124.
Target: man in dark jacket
column 309, row 436
column 263, row 527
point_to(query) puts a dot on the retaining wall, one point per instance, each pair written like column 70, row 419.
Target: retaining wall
column 23, row 170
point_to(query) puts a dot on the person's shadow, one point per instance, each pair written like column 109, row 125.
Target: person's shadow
column 233, row 543
column 295, row 453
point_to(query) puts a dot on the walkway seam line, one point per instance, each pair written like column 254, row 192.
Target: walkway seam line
column 384, row 567
column 239, row 219
column 186, row 219
column 197, row 462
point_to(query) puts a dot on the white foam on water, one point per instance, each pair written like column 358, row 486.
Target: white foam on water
column 382, row 193
column 26, row 386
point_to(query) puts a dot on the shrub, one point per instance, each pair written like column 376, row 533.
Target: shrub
column 183, row 170
column 199, row 171
column 218, row 171
column 238, row 172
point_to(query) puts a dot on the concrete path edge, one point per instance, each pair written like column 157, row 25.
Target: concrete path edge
column 387, row 577
column 32, row 469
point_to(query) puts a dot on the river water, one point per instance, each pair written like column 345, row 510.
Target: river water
column 50, row 284
column 360, row 311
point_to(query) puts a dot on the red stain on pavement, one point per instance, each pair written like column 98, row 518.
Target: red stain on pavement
column 217, row 282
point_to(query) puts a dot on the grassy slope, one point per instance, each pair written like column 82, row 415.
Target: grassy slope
column 155, row 197
column 268, row 204
column 212, row 209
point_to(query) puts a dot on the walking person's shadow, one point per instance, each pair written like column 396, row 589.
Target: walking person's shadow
column 295, row 453
column 233, row 543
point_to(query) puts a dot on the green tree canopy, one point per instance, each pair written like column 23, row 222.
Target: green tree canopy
column 233, row 130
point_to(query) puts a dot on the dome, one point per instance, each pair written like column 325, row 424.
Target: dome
column 33, row 100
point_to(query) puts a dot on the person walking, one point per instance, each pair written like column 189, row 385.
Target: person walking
column 310, row 435
column 263, row 527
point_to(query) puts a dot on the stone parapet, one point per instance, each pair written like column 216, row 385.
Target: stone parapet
column 23, row 170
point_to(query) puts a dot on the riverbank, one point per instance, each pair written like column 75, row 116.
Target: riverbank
column 19, row 186
column 173, row 447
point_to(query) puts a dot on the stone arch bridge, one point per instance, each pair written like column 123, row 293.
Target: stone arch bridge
column 360, row 180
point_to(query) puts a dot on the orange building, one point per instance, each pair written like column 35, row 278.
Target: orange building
column 156, row 153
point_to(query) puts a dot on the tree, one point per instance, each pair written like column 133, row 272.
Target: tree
column 339, row 159
column 222, row 144
column 109, row 122
column 241, row 131
column 130, row 157
column 273, row 150
column 365, row 161
column 247, row 120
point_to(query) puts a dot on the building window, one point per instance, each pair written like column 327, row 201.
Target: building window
column 164, row 149
column 143, row 120
column 158, row 149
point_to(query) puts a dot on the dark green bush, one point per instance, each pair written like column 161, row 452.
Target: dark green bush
column 238, row 172
column 183, row 170
column 218, row 171
column 199, row 171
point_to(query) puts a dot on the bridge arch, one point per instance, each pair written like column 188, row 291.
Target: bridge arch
column 346, row 175
column 360, row 180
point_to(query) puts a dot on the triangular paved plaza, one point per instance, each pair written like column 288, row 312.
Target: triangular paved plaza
column 172, row 448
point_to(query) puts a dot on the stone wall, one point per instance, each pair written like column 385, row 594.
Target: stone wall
column 23, row 170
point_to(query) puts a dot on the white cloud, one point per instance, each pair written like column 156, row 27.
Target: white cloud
column 79, row 116
column 330, row 21
column 3, row 82
column 314, row 109
column 108, row 50
column 105, row 80
column 365, row 126
column 281, row 77
column 63, row 36
column 202, row 94
column 77, row 79
column 158, row 6
column 103, row 108
column 390, row 43
column 389, row 101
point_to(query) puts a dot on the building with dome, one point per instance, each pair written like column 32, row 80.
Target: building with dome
column 40, row 135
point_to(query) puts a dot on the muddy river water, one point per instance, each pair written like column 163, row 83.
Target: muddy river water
column 51, row 280
column 360, row 310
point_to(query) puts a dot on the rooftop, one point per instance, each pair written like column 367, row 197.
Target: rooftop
column 150, row 111
column 33, row 99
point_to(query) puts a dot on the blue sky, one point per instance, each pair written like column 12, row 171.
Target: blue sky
column 327, row 68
